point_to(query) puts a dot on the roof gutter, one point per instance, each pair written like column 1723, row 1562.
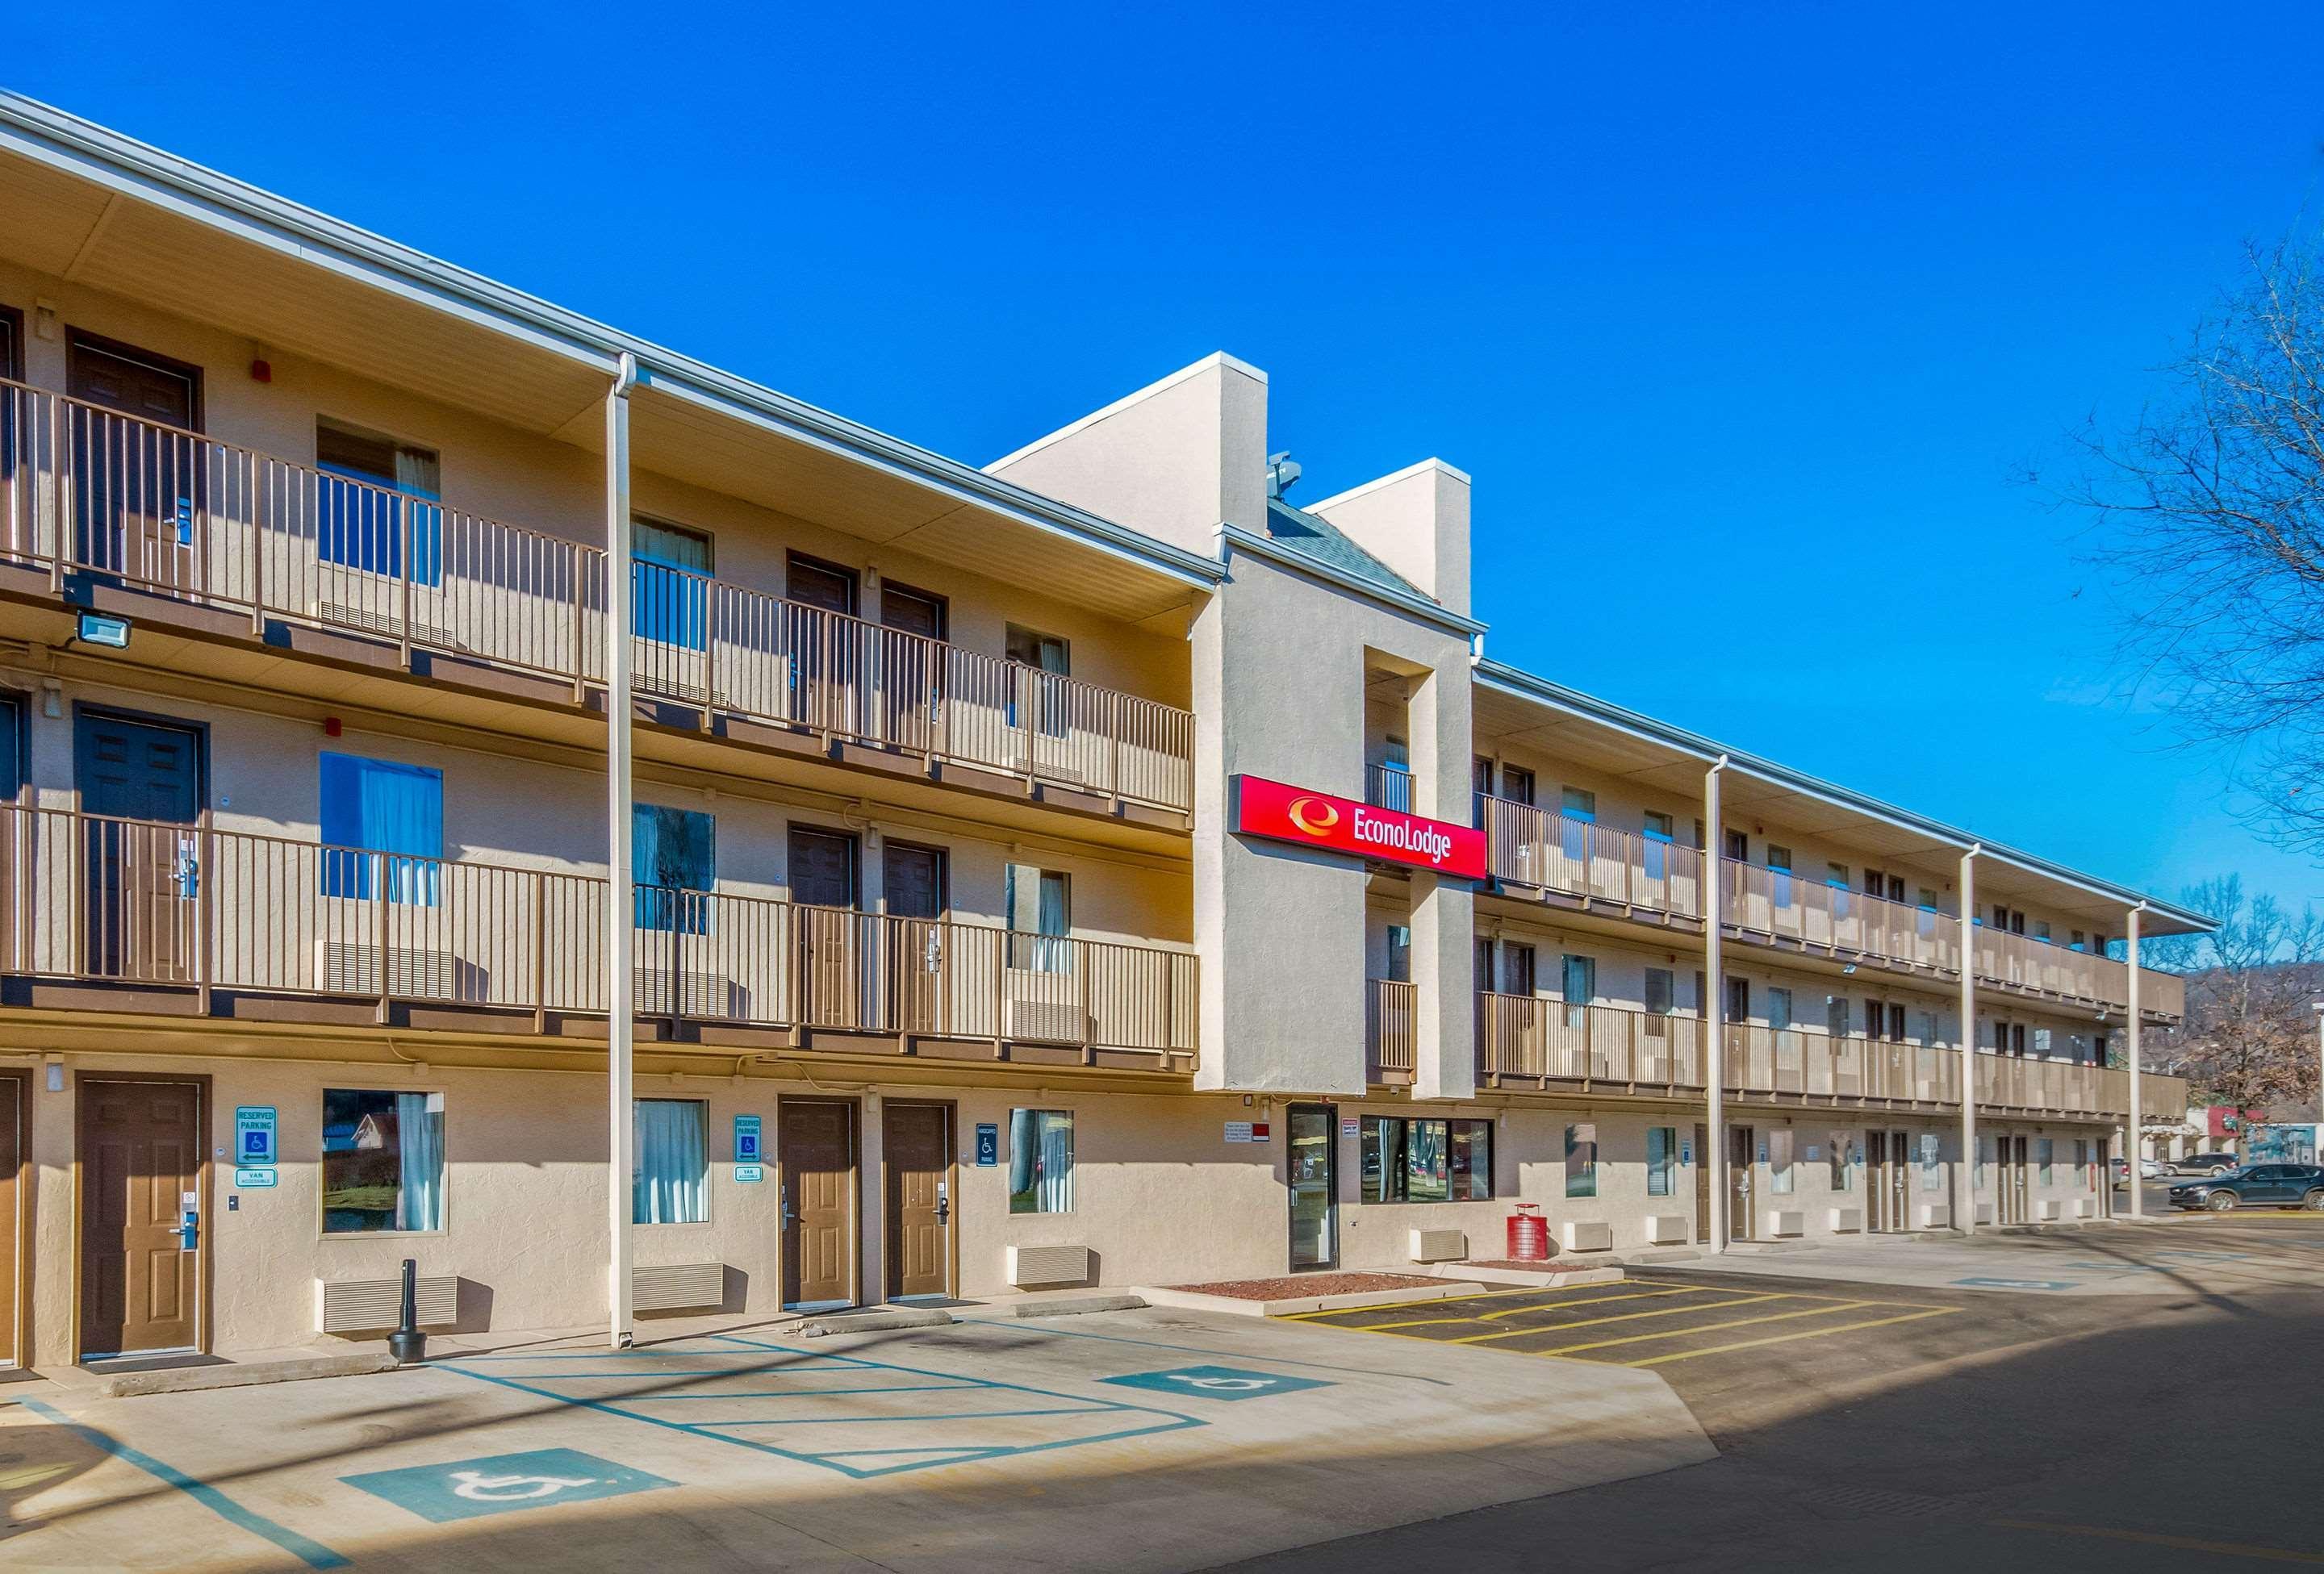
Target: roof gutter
column 65, row 141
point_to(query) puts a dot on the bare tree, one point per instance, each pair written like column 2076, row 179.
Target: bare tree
column 2210, row 522
column 2248, row 1037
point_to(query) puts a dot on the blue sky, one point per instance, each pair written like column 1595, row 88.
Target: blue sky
column 1744, row 319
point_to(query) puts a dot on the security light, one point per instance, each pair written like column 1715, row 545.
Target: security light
column 99, row 629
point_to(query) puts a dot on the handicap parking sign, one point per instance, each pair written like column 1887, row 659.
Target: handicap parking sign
column 1217, row 1382
column 467, row 1488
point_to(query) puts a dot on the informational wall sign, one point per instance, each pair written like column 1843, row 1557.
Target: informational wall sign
column 254, row 1180
column 1686, row 1153
column 987, row 1144
column 750, row 1172
column 1259, row 1131
column 253, row 1135
column 1284, row 812
column 746, row 1140
column 1351, row 1126
column 1763, row 1153
column 1814, row 1153
column 1237, row 1131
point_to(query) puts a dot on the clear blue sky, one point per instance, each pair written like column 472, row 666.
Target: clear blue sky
column 1740, row 316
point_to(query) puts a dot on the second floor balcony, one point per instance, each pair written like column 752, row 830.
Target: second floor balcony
column 115, row 914
column 92, row 497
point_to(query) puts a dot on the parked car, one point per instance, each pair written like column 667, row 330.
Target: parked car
column 2205, row 1164
column 2259, row 1185
column 2153, row 1169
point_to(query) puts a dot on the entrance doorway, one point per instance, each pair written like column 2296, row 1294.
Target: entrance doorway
column 1887, row 1168
column 144, row 778
column 141, row 1184
column 1702, row 1184
column 15, row 1186
column 824, row 883
column 915, row 1156
column 2009, row 1194
column 1740, row 1153
column 1314, row 1177
column 137, row 486
column 815, row 1143
column 912, row 879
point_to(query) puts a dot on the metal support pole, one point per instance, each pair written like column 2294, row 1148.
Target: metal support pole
column 621, row 925
column 2136, row 1125
column 1714, row 1007
column 1966, row 1221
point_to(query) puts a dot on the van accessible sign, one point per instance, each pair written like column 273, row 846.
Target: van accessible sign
column 1284, row 812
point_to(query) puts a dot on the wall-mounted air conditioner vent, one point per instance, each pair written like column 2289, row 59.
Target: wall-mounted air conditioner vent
column 386, row 624
column 1439, row 1246
column 1588, row 1235
column 1846, row 1220
column 1666, row 1228
column 370, row 1305
column 1783, row 1222
column 351, row 967
column 1048, row 1264
column 677, row 1287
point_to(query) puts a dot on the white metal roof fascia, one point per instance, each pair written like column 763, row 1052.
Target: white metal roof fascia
column 1527, row 686
column 1234, row 538
column 66, row 142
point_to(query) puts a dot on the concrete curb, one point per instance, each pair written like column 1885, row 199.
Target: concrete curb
column 874, row 1322
column 1605, row 1276
column 195, row 1379
column 1075, row 1305
column 1668, row 1254
column 1195, row 1300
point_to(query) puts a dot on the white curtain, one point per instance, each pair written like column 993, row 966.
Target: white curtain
column 669, row 1178
column 1056, row 1162
column 419, row 1143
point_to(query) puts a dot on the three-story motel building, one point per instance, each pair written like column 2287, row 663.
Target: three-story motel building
column 1089, row 868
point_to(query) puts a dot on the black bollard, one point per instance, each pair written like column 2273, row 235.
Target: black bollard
column 407, row 1344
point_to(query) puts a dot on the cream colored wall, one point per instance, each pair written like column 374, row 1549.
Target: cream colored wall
column 536, row 481
column 1416, row 521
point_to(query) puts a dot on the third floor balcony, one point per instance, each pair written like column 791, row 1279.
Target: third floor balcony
column 94, row 501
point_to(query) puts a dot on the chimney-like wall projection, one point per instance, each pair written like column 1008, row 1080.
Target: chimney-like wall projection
column 1416, row 521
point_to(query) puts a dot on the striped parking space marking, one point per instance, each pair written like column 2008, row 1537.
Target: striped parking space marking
column 1542, row 1322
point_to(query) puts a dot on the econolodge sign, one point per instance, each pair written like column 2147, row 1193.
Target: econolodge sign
column 1283, row 813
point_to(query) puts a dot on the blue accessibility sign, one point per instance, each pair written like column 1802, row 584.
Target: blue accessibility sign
column 466, row 1488
column 2016, row 1284
column 1217, row 1382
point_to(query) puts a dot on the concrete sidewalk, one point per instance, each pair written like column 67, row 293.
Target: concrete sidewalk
column 1155, row 1440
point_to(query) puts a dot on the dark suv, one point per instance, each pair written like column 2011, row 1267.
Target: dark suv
column 2258, row 1185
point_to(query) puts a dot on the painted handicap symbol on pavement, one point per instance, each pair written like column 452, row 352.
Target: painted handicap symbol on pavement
column 466, row 1488
column 1217, row 1382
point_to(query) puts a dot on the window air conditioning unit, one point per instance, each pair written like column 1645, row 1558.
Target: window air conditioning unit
column 1043, row 1007
column 1588, row 1235
column 677, row 1286
column 1786, row 1221
column 1666, row 1230
column 1846, row 1220
column 351, row 967
column 1048, row 1264
column 370, row 1305
column 386, row 625
column 1438, row 1245
column 663, row 992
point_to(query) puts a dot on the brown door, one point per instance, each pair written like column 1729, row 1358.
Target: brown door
column 1900, row 1170
column 15, row 1181
column 911, row 665
column 1876, row 1178
column 1740, row 1168
column 915, row 1146
column 816, row 1146
column 822, row 869
column 1701, row 1182
column 136, row 472
column 140, row 879
column 832, row 649
column 913, row 879
column 140, row 1151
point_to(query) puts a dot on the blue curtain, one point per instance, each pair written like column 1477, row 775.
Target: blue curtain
column 419, row 1137
column 674, row 853
column 374, row 810
column 364, row 526
column 670, row 590
column 1023, row 1137
column 670, row 1180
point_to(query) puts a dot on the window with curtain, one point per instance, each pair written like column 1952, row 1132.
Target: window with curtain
column 674, row 853
column 1662, row 1161
column 669, row 1166
column 1393, row 787
column 1040, row 904
column 1399, row 954
column 1581, row 1160
column 669, row 584
column 1578, row 811
column 1040, row 1161
column 1579, row 985
column 2045, row 1155
column 1655, row 850
column 1051, row 657
column 1841, row 1156
column 1932, row 1172
column 383, row 1161
column 373, row 496
column 1780, row 1150
column 1779, row 1008
column 1779, row 875
column 381, row 817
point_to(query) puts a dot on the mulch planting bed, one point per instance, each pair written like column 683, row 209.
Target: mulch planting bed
column 1304, row 1285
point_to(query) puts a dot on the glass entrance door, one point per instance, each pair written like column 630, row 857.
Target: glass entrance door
column 1315, row 1188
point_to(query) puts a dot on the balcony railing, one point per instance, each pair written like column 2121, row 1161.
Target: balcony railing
column 87, row 491
column 1533, row 847
column 1390, row 786
column 137, row 902
column 2045, row 967
column 1388, row 1027
column 1612, row 1047
column 1784, row 906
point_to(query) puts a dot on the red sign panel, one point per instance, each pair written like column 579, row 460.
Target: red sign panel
column 1288, row 814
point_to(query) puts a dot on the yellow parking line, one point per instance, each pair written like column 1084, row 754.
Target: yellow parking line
column 1478, row 1339
column 1798, row 1295
column 1785, row 1337
column 1637, row 1338
column 1464, row 1317
column 1330, row 1311
column 1593, row 1300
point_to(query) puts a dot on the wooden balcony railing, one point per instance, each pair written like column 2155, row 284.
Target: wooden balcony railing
column 138, row 902
column 1388, row 1027
column 87, row 491
column 2022, row 961
column 1529, row 846
column 1614, row 1048
column 1784, row 906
